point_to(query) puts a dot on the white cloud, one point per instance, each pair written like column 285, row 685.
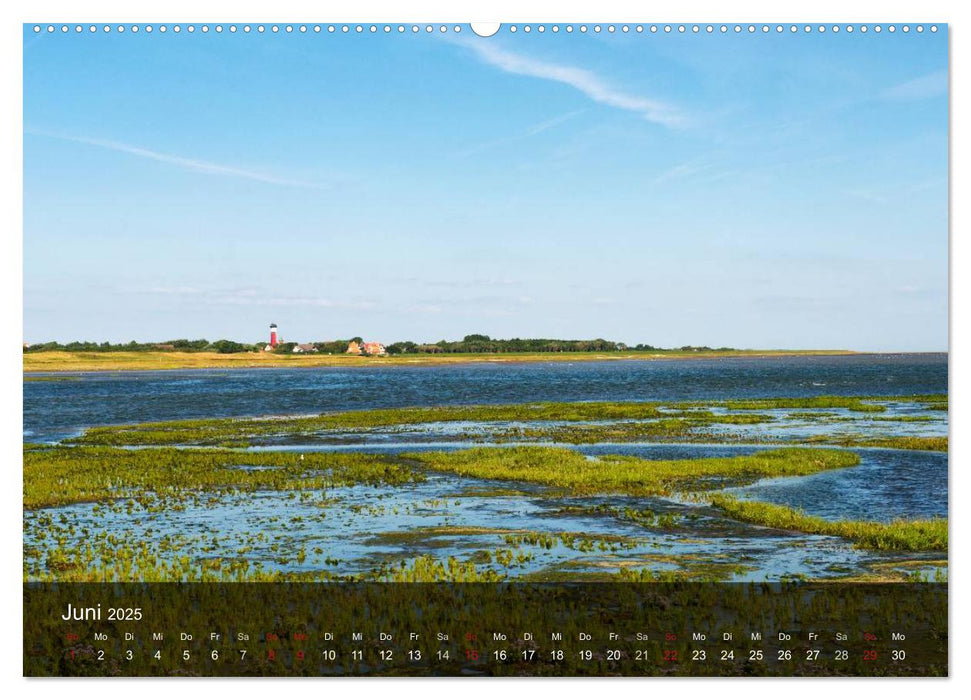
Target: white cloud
column 587, row 82
column 191, row 164
column 550, row 123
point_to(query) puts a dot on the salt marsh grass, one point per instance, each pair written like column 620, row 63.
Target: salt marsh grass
column 904, row 535
column 564, row 468
column 893, row 442
column 568, row 422
column 134, row 472
column 63, row 475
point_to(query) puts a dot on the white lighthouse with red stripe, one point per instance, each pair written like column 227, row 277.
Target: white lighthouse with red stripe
column 274, row 338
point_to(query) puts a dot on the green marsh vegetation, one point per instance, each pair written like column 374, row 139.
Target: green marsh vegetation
column 214, row 431
column 901, row 535
column 930, row 402
column 688, row 426
column 893, row 442
column 712, row 573
column 645, row 517
column 850, row 403
column 577, row 423
column 904, row 419
column 933, row 444
column 427, row 568
column 62, row 475
column 424, row 535
column 142, row 482
column 156, row 478
column 577, row 541
column 570, row 470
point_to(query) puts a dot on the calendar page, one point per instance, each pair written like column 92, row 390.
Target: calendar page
column 438, row 349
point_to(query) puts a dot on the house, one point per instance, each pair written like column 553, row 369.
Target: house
column 362, row 348
column 304, row 347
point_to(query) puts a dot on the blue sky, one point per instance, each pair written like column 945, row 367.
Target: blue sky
column 770, row 191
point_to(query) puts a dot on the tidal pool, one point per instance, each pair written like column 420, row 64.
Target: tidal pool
column 886, row 485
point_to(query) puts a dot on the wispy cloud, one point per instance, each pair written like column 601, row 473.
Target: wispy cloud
column 587, row 82
column 531, row 131
column 924, row 87
column 550, row 123
column 190, row 164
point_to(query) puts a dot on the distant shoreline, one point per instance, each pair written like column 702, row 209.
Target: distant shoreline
column 59, row 361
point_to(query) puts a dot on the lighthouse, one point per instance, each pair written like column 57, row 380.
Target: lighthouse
column 274, row 340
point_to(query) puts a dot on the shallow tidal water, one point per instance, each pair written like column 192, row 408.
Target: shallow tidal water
column 353, row 530
column 54, row 410
column 363, row 527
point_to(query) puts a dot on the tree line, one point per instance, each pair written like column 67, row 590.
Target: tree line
column 181, row 345
column 474, row 343
column 482, row 343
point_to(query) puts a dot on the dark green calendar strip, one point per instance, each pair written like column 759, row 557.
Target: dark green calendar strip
column 651, row 629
